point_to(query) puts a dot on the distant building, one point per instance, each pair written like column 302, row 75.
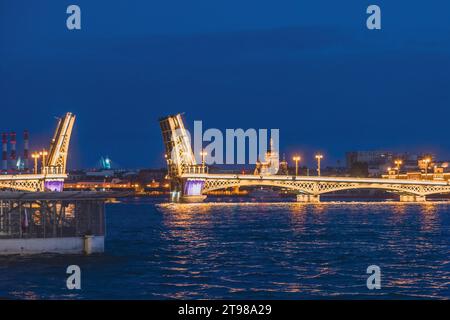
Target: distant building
column 284, row 169
column 380, row 162
column 271, row 163
column 377, row 161
column 369, row 157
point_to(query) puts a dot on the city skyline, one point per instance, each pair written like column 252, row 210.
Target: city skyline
column 330, row 89
column 245, row 151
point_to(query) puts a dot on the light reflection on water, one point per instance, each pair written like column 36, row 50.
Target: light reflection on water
column 252, row 250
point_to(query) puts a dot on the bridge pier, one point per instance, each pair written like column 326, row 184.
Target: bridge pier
column 193, row 199
column 187, row 191
column 412, row 198
column 177, row 197
column 311, row 198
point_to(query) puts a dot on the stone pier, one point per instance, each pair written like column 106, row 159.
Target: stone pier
column 192, row 199
column 412, row 198
column 312, row 198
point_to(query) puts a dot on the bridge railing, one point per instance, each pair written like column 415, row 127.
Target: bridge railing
column 53, row 170
column 196, row 169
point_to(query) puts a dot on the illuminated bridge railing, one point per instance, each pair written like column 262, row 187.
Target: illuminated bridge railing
column 53, row 170
column 195, row 169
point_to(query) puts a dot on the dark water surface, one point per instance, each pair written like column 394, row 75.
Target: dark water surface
column 251, row 251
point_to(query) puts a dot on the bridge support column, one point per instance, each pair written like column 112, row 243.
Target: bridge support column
column 177, row 196
column 188, row 191
column 312, row 198
column 192, row 199
column 412, row 198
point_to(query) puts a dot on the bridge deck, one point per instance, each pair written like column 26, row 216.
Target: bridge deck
column 9, row 177
column 313, row 179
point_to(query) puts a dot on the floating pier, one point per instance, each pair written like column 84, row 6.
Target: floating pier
column 53, row 222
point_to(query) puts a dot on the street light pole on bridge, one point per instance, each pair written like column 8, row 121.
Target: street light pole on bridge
column 318, row 157
column 35, row 157
column 296, row 159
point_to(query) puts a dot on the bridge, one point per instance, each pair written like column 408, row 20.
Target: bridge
column 190, row 182
column 53, row 170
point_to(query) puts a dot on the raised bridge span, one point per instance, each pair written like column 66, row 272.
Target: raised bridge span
column 53, row 171
column 190, row 182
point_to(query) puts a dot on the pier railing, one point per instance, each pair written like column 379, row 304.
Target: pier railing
column 50, row 218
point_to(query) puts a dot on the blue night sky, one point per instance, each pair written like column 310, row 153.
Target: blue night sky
column 310, row 68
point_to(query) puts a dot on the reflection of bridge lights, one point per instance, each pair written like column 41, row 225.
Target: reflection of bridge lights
column 428, row 207
column 399, row 208
column 429, row 219
column 319, row 208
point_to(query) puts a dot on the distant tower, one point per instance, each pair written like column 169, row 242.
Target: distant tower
column 13, row 159
column 4, row 151
column 25, row 149
column 105, row 163
column 271, row 163
column 257, row 167
column 283, row 166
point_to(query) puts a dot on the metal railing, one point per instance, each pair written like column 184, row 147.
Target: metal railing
column 50, row 218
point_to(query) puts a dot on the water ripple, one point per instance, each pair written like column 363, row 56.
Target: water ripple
column 251, row 251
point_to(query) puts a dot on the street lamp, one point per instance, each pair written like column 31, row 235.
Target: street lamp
column 296, row 159
column 318, row 157
column 43, row 153
column 35, row 156
column 398, row 163
column 203, row 154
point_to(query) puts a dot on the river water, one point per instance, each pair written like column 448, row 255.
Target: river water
column 250, row 250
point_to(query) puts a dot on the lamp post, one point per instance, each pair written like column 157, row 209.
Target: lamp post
column 398, row 163
column 296, row 159
column 318, row 157
column 168, row 163
column 35, row 157
column 203, row 154
column 43, row 153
